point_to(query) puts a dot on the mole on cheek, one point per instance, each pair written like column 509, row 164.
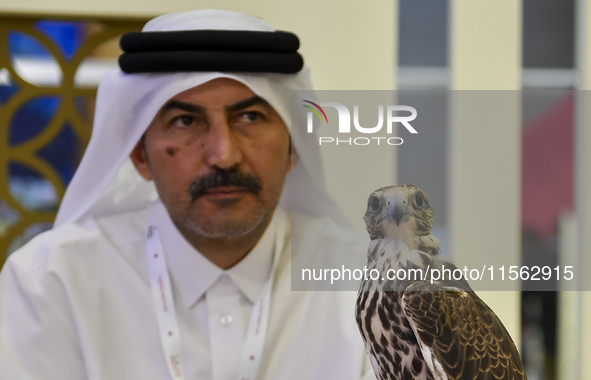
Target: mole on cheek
column 171, row 151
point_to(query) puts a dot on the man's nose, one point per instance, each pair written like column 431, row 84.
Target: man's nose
column 222, row 146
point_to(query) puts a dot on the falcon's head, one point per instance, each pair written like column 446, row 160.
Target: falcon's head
column 398, row 212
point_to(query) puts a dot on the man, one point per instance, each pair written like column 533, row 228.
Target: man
column 171, row 253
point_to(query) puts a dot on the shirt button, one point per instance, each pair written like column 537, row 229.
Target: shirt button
column 226, row 319
column 224, row 279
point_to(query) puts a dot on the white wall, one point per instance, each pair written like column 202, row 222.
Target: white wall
column 484, row 164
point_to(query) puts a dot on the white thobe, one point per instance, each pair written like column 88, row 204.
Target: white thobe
column 75, row 303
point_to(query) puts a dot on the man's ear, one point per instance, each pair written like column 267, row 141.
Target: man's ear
column 140, row 160
column 293, row 158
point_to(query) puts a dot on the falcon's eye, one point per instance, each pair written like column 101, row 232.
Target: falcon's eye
column 374, row 204
column 419, row 200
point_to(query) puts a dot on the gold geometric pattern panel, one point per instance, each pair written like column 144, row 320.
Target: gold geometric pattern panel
column 49, row 70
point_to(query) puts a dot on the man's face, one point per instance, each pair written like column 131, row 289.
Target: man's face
column 218, row 155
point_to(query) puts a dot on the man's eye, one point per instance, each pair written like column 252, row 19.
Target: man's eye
column 183, row 121
column 249, row 117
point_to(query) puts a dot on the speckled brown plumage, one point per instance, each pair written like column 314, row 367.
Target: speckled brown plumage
column 414, row 329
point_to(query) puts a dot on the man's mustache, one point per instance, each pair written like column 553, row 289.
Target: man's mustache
column 222, row 178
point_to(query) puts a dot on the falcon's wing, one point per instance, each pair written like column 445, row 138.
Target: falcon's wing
column 460, row 336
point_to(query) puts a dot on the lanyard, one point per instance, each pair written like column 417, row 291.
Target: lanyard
column 166, row 316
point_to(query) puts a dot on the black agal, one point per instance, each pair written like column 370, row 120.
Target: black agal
column 210, row 50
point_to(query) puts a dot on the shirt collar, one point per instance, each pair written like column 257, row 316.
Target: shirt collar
column 193, row 273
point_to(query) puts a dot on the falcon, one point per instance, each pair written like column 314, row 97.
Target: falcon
column 415, row 329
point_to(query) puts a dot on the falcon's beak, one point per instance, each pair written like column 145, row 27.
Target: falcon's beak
column 396, row 211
